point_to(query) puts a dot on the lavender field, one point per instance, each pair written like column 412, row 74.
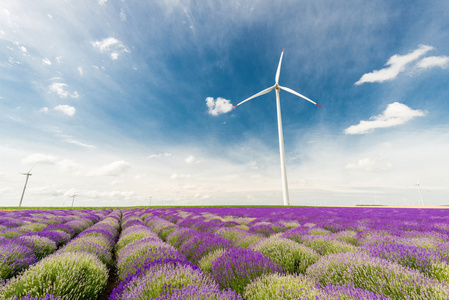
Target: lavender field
column 225, row 253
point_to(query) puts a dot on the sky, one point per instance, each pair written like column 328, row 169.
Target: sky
column 129, row 103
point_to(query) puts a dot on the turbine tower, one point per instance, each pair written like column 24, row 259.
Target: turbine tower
column 419, row 190
column 28, row 174
column 277, row 88
column 73, row 198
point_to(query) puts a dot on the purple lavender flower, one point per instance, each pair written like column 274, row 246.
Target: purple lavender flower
column 59, row 237
column 376, row 275
column 142, row 252
column 62, row 227
column 180, row 235
column 237, row 267
column 264, row 229
column 347, row 292
column 141, row 270
column 201, row 244
column 409, row 256
column 40, row 245
column 210, row 292
column 14, row 258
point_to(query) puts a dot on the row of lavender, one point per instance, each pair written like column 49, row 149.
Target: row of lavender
column 61, row 253
column 396, row 253
column 150, row 268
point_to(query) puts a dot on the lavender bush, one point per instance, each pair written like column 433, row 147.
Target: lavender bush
column 71, row 276
column 204, row 292
column 326, row 244
column 201, row 244
column 291, row 256
column 206, row 262
column 237, row 267
column 142, row 252
column 282, row 287
column 14, row 258
column 160, row 278
column 376, row 275
column 40, row 245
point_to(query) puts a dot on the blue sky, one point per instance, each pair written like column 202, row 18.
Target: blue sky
column 121, row 102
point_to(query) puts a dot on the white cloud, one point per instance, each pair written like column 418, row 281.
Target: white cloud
column 66, row 109
column 179, row 176
column 61, row 90
column 191, row 160
column 433, row 61
column 44, row 109
column 122, row 15
column 395, row 114
column 116, row 168
column 78, row 143
column 46, row 61
column 68, row 165
column 397, row 64
column 102, row 2
column 112, row 46
column 190, row 187
column 159, row 155
column 370, row 164
column 39, row 158
column 80, row 70
column 219, row 106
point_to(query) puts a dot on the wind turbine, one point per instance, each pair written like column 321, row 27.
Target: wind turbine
column 28, row 174
column 420, row 195
column 277, row 87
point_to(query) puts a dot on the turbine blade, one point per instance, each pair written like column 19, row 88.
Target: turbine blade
column 256, row 95
column 278, row 72
column 299, row 95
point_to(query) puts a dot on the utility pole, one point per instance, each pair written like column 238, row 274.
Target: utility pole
column 73, row 199
column 28, row 174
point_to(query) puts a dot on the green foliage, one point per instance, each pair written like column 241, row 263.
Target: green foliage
column 42, row 245
column 248, row 239
column 206, row 262
column 291, row 256
column 132, row 238
column 281, row 287
column 231, row 233
column 440, row 271
column 325, row 245
column 92, row 245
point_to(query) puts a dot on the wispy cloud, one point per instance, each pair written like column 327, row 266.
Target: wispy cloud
column 175, row 176
column 370, row 164
column 433, row 62
column 395, row 114
column 218, row 106
column 191, row 160
column 46, row 61
column 111, row 46
column 396, row 64
column 115, row 168
column 159, row 155
column 39, row 158
column 61, row 90
column 66, row 109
